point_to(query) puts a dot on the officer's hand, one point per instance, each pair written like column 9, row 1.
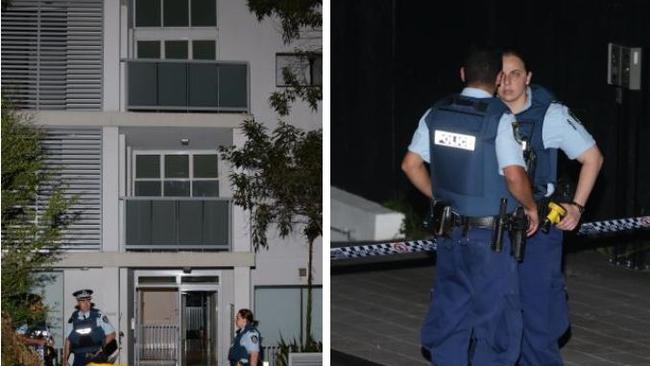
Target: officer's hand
column 533, row 221
column 571, row 219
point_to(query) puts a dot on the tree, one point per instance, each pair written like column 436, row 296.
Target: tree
column 294, row 15
column 278, row 177
column 30, row 228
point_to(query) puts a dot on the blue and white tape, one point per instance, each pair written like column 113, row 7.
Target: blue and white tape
column 416, row 246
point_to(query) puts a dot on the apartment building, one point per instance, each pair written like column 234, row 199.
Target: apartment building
column 136, row 96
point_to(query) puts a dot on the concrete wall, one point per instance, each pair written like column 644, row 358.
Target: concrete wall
column 362, row 219
column 243, row 38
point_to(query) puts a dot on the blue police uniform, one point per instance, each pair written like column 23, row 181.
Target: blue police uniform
column 476, row 293
column 246, row 340
column 86, row 333
column 548, row 126
column 87, row 330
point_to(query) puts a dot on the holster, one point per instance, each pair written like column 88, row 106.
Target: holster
column 442, row 218
column 518, row 228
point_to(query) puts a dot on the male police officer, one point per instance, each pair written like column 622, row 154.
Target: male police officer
column 546, row 126
column 87, row 331
column 476, row 297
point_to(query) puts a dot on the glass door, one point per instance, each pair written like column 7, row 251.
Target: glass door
column 157, row 326
column 199, row 327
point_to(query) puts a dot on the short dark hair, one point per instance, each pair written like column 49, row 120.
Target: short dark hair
column 482, row 65
column 518, row 54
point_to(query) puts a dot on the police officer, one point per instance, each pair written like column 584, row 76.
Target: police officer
column 87, row 331
column 476, row 297
column 245, row 348
column 546, row 126
column 36, row 333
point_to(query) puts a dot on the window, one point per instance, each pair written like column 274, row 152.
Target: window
column 176, row 175
column 175, row 13
column 176, row 50
column 306, row 68
column 289, row 323
column 203, row 50
column 149, row 49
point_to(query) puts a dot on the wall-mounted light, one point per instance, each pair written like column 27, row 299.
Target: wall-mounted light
column 185, row 141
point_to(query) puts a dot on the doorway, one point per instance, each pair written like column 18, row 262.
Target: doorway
column 199, row 328
column 175, row 318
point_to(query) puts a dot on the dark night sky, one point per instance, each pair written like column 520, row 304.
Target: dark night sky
column 392, row 59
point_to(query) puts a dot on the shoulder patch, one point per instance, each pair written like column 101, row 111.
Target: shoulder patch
column 574, row 118
column 104, row 318
column 254, row 338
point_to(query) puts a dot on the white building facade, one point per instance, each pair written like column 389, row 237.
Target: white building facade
column 136, row 97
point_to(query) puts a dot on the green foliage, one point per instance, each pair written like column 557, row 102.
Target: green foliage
column 293, row 14
column 15, row 352
column 412, row 226
column 282, row 357
column 311, row 94
column 278, row 178
column 30, row 228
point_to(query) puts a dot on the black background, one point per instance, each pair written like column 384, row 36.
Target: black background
column 392, row 59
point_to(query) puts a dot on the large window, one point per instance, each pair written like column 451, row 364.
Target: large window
column 175, row 13
column 177, row 49
column 175, row 29
column 306, row 68
column 289, row 323
column 176, row 174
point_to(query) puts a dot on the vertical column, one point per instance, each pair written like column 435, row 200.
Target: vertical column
column 110, row 189
column 240, row 226
column 242, row 288
column 111, row 61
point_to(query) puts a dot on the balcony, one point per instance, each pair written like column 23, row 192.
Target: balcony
column 164, row 223
column 188, row 86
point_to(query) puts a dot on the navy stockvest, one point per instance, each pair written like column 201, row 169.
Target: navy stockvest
column 86, row 335
column 237, row 351
column 464, row 168
column 531, row 121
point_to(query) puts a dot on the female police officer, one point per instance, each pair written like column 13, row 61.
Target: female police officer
column 245, row 347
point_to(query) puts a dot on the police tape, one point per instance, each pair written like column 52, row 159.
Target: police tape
column 429, row 245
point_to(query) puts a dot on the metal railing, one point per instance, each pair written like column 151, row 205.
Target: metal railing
column 182, row 85
column 270, row 353
column 176, row 223
column 158, row 342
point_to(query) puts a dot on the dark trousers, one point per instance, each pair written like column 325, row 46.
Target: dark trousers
column 543, row 299
column 475, row 302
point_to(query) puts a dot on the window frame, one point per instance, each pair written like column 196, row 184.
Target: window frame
column 162, row 179
column 311, row 59
column 174, row 33
column 162, row 17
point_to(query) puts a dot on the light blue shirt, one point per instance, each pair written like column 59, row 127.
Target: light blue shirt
column 251, row 341
column 561, row 130
column 420, row 141
column 102, row 321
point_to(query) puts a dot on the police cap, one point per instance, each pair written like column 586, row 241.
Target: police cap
column 83, row 294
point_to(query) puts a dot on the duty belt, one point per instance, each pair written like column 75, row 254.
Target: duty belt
column 470, row 222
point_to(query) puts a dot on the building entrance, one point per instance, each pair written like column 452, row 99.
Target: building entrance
column 176, row 318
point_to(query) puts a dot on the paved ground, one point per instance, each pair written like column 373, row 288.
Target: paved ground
column 377, row 309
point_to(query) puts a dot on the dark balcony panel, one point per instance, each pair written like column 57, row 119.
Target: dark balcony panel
column 203, row 85
column 189, row 219
column 177, row 224
column 216, row 222
column 141, row 81
column 163, row 222
column 187, row 86
column 138, row 222
column 172, row 84
column 233, row 86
